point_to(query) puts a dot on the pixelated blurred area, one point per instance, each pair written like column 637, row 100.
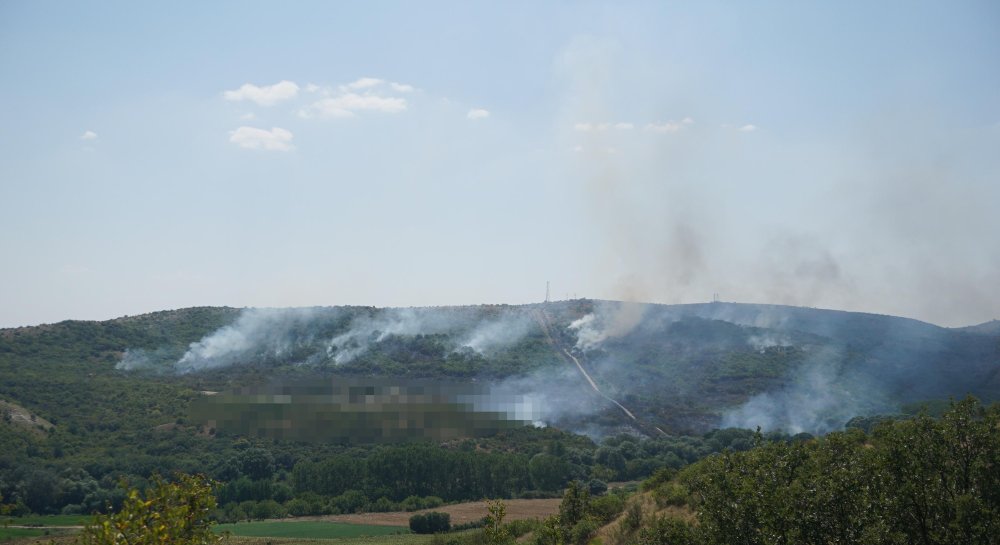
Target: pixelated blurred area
column 361, row 411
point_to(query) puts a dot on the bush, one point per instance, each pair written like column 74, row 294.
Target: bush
column 583, row 530
column 671, row 494
column 471, row 525
column 430, row 523
column 350, row 501
column 175, row 513
column 607, row 508
column 383, row 505
column 597, row 487
column 518, row 528
column 412, row 503
column 667, row 531
column 298, row 507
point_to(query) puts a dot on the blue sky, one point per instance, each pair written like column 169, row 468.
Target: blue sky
column 164, row 155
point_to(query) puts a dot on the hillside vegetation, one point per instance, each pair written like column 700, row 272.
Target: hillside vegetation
column 120, row 394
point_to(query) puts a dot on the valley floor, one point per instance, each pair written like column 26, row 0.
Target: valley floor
column 461, row 513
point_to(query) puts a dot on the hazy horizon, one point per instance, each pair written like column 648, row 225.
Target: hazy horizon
column 162, row 156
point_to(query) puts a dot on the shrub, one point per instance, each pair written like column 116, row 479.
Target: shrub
column 430, row 523
column 175, row 513
column 583, row 530
column 607, row 508
column 597, row 487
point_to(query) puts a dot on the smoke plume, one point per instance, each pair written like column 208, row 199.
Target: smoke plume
column 901, row 222
column 337, row 335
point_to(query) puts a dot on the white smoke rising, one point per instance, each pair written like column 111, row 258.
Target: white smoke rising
column 366, row 331
column 549, row 396
column 900, row 220
column 139, row 358
column 485, row 335
column 819, row 400
column 764, row 341
column 610, row 319
column 256, row 332
column 588, row 334
column 305, row 334
column 492, row 335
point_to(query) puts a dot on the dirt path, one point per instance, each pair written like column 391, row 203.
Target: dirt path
column 594, row 386
column 460, row 513
column 543, row 321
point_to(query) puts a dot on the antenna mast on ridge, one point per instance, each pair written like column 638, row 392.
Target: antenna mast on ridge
column 546, row 291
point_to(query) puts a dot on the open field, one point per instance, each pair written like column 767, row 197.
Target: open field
column 460, row 513
column 306, row 529
column 46, row 520
column 37, row 536
column 31, row 535
column 391, row 539
column 390, row 528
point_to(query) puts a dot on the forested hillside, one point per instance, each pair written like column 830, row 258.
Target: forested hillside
column 541, row 395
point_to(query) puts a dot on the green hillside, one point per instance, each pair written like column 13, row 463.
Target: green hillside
column 249, row 396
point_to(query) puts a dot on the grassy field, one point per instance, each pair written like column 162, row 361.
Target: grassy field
column 46, row 520
column 277, row 533
column 22, row 534
column 395, row 539
column 309, row 530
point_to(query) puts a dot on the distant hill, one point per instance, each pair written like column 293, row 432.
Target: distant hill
column 991, row 327
column 671, row 368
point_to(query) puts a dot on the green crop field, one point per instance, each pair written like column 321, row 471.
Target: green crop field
column 10, row 533
column 46, row 520
column 15, row 533
column 309, row 529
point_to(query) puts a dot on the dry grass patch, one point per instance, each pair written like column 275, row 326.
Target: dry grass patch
column 461, row 513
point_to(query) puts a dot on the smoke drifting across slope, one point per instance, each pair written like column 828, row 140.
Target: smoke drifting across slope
column 679, row 367
column 821, row 397
column 793, row 369
column 337, row 335
column 481, row 336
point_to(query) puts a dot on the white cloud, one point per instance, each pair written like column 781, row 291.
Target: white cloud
column 588, row 126
column 477, row 113
column 747, row 128
column 248, row 116
column 312, row 88
column 347, row 104
column 88, row 135
column 276, row 139
column 363, row 94
column 268, row 95
column 670, row 126
column 364, row 83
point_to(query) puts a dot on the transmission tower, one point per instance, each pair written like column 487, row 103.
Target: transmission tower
column 546, row 291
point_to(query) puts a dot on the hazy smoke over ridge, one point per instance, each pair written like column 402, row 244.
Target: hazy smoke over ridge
column 897, row 223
